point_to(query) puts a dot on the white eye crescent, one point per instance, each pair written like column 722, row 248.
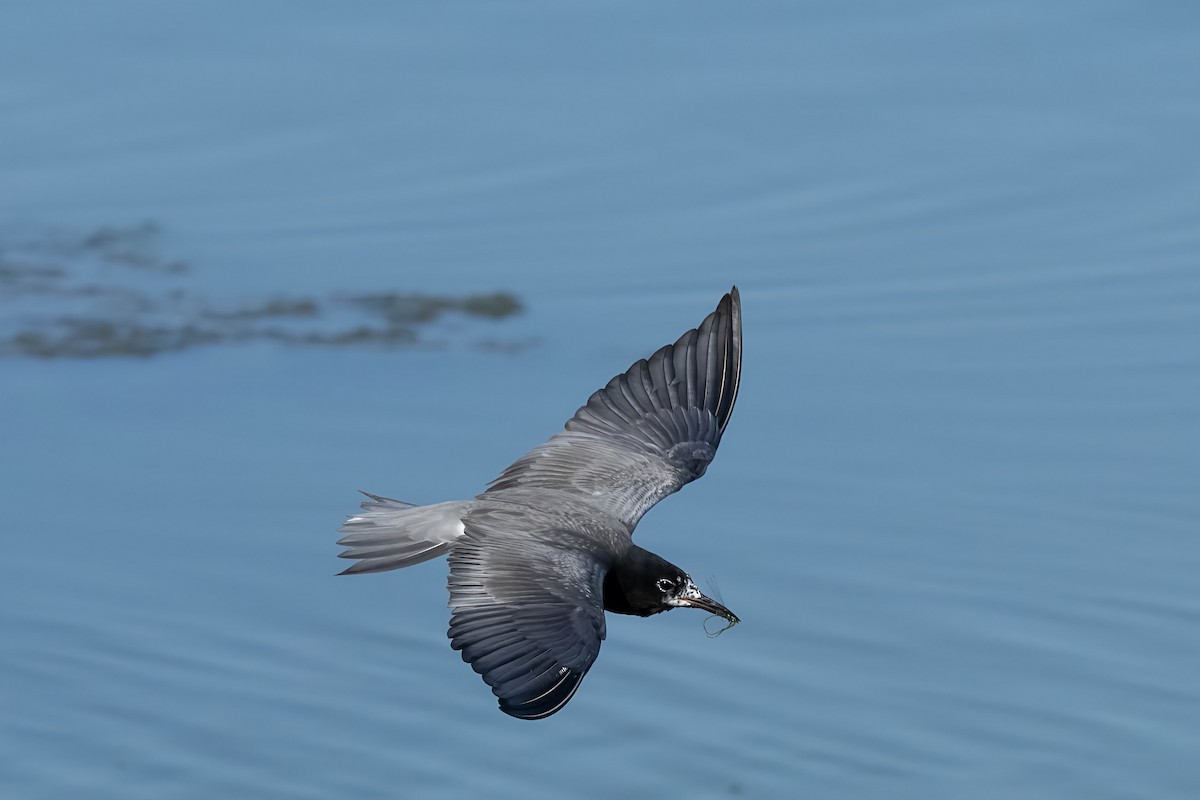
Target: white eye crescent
column 665, row 584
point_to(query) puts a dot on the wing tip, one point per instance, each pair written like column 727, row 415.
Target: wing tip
column 734, row 299
column 548, row 703
column 730, row 306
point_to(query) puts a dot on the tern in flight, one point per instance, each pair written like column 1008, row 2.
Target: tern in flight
column 537, row 559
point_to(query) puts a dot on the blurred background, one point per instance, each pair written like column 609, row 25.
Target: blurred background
column 254, row 257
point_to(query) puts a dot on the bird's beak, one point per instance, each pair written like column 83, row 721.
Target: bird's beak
column 691, row 597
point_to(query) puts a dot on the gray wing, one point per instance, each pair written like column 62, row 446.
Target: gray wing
column 528, row 610
column 651, row 430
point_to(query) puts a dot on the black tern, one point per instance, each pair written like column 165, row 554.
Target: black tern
column 537, row 559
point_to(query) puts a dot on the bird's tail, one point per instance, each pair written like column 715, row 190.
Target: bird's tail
column 389, row 534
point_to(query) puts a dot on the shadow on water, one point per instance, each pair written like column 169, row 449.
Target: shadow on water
column 112, row 293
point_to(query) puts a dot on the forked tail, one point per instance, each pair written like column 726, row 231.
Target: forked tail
column 389, row 534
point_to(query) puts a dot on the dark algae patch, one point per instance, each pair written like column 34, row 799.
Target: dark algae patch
column 407, row 309
column 111, row 293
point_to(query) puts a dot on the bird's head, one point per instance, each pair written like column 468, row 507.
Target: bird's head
column 681, row 592
column 643, row 584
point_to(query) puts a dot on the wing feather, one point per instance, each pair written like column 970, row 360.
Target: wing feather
column 650, row 430
column 526, row 588
column 527, row 606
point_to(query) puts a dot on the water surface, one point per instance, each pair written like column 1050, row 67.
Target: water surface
column 956, row 508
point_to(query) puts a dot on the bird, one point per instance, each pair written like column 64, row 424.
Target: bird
column 539, row 557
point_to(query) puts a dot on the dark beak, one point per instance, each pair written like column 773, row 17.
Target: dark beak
column 691, row 597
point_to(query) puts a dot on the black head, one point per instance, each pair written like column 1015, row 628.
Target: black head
column 642, row 584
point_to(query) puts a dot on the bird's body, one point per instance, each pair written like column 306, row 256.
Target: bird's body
column 537, row 558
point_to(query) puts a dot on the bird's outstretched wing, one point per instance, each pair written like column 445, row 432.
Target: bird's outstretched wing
column 651, row 430
column 528, row 608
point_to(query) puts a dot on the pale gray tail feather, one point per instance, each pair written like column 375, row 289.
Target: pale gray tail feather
column 389, row 534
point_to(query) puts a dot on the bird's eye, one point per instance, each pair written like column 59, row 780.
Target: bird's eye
column 665, row 584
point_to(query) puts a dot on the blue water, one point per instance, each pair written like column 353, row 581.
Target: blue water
column 957, row 506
